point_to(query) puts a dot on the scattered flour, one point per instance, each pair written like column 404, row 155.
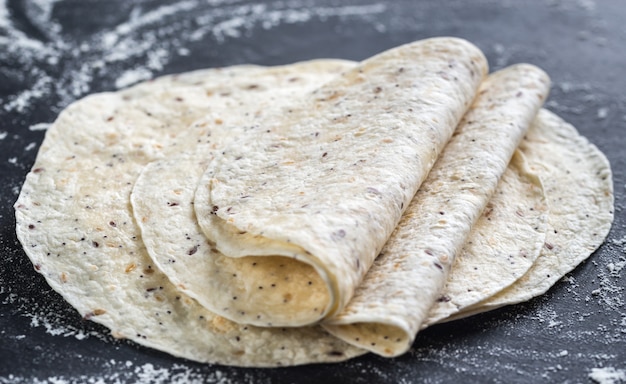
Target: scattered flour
column 39, row 127
column 121, row 372
column 603, row 113
column 142, row 46
column 54, row 320
column 139, row 47
column 620, row 243
column 132, row 76
column 30, row 146
column 609, row 291
column 608, row 375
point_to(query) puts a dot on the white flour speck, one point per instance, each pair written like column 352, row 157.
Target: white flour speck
column 602, row 113
column 132, row 76
column 607, row 375
column 39, row 127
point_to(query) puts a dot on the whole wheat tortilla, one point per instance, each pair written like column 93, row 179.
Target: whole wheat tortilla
column 579, row 188
column 75, row 223
column 322, row 186
column 407, row 277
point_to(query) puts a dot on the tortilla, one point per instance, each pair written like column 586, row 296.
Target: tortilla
column 578, row 183
column 323, row 185
column 502, row 246
column 406, row 279
column 75, row 223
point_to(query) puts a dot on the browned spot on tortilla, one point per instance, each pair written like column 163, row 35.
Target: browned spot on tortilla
column 95, row 312
column 221, row 325
column 130, row 267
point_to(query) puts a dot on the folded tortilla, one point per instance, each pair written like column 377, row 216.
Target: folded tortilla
column 579, row 187
column 75, row 222
column 318, row 191
column 505, row 241
column 501, row 247
column 406, row 279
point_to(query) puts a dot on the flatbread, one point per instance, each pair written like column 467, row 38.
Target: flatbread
column 502, row 246
column 163, row 206
column 75, row 223
column 406, row 279
column 322, row 186
column 578, row 183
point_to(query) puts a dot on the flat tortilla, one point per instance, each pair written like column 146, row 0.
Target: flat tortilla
column 578, row 183
column 75, row 223
column 323, row 185
column 406, row 279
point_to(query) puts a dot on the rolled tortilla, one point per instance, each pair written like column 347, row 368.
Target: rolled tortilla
column 322, row 186
column 75, row 222
column 407, row 277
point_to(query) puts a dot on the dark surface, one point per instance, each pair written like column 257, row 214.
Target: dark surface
column 580, row 325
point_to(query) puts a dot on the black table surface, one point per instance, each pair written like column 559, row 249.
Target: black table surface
column 54, row 52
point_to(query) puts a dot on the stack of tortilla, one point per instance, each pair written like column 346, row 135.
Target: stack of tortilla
column 267, row 216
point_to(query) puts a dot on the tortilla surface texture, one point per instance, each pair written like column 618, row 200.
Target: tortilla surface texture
column 502, row 246
column 75, row 222
column 323, row 185
column 579, row 187
column 406, row 279
column 163, row 204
